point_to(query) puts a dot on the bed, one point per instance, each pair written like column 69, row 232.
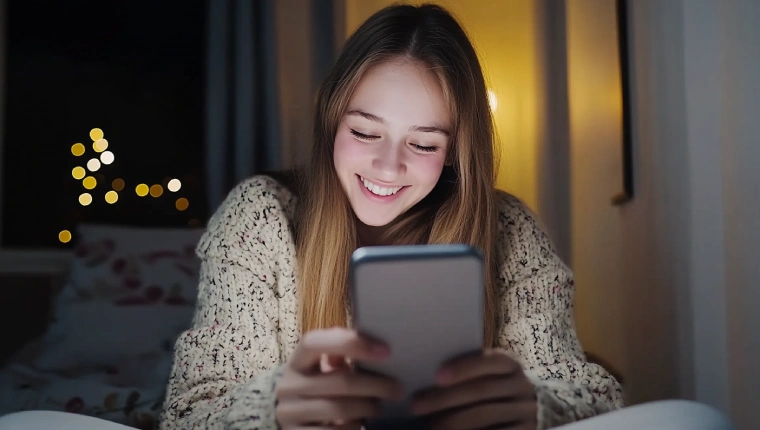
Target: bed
column 106, row 350
column 126, row 294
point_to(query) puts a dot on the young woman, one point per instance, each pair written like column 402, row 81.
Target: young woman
column 403, row 154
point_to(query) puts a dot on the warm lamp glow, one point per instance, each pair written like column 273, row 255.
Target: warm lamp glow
column 493, row 102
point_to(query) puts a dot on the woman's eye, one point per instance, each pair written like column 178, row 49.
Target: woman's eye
column 424, row 148
column 363, row 136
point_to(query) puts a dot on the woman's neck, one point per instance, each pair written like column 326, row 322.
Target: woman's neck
column 369, row 235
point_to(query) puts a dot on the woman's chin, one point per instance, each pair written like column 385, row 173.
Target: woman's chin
column 375, row 221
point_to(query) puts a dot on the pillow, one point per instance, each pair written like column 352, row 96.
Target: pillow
column 101, row 334
column 132, row 265
column 130, row 292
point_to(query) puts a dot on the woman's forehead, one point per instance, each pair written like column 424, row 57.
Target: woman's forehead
column 401, row 92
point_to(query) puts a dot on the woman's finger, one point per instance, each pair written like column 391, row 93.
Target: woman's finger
column 340, row 383
column 469, row 392
column 330, row 363
column 335, row 341
column 503, row 414
column 490, row 362
column 326, row 410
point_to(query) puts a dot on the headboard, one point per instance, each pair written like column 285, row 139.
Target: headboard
column 29, row 281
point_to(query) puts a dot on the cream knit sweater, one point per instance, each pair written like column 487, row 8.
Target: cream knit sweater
column 245, row 326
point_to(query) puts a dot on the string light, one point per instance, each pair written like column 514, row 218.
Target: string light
column 112, row 197
column 77, row 149
column 117, row 184
column 142, row 190
column 181, row 204
column 106, row 157
column 174, row 185
column 85, row 199
column 64, row 236
column 89, row 182
column 96, row 134
column 100, row 145
column 156, row 190
column 93, row 165
column 78, row 172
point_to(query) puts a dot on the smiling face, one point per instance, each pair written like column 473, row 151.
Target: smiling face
column 391, row 145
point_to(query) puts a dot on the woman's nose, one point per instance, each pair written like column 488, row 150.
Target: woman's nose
column 388, row 163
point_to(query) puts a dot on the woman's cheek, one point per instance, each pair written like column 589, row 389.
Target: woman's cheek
column 430, row 166
column 346, row 149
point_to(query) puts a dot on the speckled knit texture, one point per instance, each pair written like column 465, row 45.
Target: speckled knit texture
column 245, row 326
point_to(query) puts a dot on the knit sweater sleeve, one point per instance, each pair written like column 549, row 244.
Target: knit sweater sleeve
column 226, row 365
column 538, row 328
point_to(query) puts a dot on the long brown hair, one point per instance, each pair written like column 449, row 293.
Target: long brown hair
column 460, row 209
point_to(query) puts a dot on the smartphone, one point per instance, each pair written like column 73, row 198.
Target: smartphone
column 425, row 302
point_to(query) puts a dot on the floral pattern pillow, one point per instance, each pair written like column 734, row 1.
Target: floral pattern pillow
column 130, row 292
column 129, row 266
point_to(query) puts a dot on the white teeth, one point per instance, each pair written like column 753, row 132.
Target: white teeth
column 379, row 190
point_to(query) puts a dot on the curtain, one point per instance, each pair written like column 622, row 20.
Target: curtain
column 265, row 60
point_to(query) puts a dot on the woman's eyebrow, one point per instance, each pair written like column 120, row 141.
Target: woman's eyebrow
column 417, row 128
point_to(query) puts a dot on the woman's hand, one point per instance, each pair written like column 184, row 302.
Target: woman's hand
column 340, row 398
column 487, row 390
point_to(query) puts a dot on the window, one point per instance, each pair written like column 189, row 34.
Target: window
column 103, row 117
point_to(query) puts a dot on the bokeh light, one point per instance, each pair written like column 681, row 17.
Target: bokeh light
column 181, row 204
column 174, row 185
column 64, row 236
column 96, row 134
column 89, row 182
column 77, row 149
column 93, row 165
column 106, row 157
column 78, row 172
column 100, row 145
column 141, row 190
column 85, row 199
column 117, row 184
column 112, row 197
column 156, row 190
